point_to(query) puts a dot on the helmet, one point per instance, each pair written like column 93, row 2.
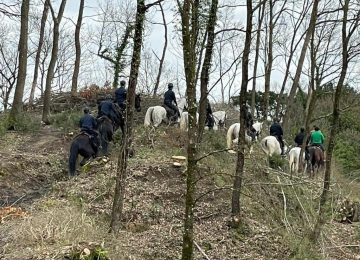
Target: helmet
column 86, row 110
column 277, row 120
column 122, row 83
column 170, row 85
column 108, row 96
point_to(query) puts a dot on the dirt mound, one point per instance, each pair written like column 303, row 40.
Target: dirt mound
column 29, row 164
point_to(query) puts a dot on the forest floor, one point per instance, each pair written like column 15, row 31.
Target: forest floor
column 52, row 216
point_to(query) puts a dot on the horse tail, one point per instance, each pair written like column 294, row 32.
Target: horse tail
column 74, row 150
column 148, row 116
column 229, row 136
column 264, row 146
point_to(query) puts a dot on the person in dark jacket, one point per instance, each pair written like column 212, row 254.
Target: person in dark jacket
column 209, row 116
column 277, row 131
column 107, row 108
column 169, row 98
column 299, row 138
column 88, row 124
column 120, row 95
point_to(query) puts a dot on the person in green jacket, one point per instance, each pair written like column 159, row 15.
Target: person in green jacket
column 317, row 138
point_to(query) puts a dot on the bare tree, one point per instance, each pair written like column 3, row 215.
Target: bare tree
column 163, row 52
column 296, row 20
column 54, row 56
column 205, row 70
column 257, row 47
column 349, row 50
column 38, row 51
column 8, row 65
column 235, row 200
column 128, row 135
column 116, row 32
column 294, row 87
column 74, row 83
column 17, row 105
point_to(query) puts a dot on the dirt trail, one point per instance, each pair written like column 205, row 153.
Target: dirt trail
column 29, row 164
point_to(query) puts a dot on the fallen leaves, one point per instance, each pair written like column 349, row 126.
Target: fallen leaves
column 11, row 213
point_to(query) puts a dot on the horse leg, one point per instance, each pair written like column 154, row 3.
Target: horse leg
column 84, row 160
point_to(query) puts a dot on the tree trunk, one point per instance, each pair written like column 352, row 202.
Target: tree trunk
column 235, row 201
column 118, row 62
column 38, row 51
column 311, row 101
column 189, row 18
column 269, row 63
column 290, row 99
column 54, row 54
column 205, row 71
column 157, row 83
column 17, row 105
column 75, row 76
column 335, row 120
column 257, row 49
column 121, row 173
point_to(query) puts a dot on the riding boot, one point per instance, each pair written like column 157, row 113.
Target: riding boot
column 282, row 151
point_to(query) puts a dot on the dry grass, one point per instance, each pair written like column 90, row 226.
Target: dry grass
column 277, row 212
column 50, row 232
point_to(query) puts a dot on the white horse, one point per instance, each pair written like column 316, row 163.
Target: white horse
column 294, row 156
column 233, row 135
column 184, row 119
column 258, row 127
column 157, row 114
column 219, row 119
column 270, row 145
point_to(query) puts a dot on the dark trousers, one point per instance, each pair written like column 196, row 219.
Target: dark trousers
column 175, row 110
column 209, row 121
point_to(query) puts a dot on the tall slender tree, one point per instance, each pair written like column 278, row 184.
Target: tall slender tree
column 120, row 186
column 74, row 83
column 54, row 56
column 162, row 59
column 291, row 96
column 347, row 32
column 235, row 200
column 38, row 51
column 17, row 105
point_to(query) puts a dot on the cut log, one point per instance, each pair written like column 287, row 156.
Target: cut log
column 180, row 158
column 177, row 165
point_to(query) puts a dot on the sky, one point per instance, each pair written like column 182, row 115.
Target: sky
column 96, row 70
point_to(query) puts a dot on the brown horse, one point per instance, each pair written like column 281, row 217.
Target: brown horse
column 316, row 159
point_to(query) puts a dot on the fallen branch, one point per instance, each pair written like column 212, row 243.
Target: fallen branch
column 211, row 153
column 201, row 251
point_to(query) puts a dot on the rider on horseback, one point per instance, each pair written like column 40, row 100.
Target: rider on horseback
column 169, row 98
column 88, row 125
column 108, row 108
column 249, row 123
column 120, row 95
column 317, row 138
column 277, row 131
column 209, row 116
column 299, row 140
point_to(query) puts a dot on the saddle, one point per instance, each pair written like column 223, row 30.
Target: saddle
column 169, row 112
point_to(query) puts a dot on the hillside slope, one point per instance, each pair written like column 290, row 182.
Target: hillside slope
column 65, row 215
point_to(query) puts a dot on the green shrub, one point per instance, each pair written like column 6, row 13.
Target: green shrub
column 26, row 122
column 347, row 150
column 277, row 161
column 68, row 120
